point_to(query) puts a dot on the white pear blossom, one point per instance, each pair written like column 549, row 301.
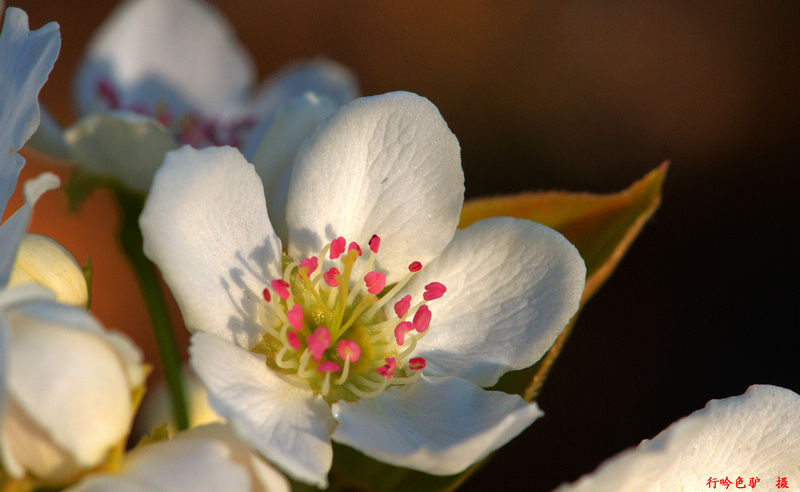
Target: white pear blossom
column 208, row 458
column 749, row 441
column 159, row 73
column 374, row 322
column 66, row 385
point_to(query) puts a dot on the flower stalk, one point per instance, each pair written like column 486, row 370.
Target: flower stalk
column 131, row 237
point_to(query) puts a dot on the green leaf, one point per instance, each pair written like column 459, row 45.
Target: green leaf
column 160, row 433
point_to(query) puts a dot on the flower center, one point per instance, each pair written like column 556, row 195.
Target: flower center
column 327, row 327
column 189, row 128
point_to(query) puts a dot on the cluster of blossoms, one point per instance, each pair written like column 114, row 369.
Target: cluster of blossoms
column 69, row 388
column 318, row 264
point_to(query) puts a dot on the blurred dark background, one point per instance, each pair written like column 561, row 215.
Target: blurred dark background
column 582, row 96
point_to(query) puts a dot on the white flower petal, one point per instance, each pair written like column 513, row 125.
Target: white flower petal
column 439, row 425
column 285, row 423
column 177, row 51
column 279, row 144
column 265, row 474
column 71, row 383
column 756, row 434
column 26, row 58
column 512, row 286
column 40, row 304
column 33, row 450
column 205, row 225
column 9, row 463
column 13, row 230
column 322, row 76
column 181, row 464
column 121, row 145
column 45, row 310
column 130, row 355
column 385, row 165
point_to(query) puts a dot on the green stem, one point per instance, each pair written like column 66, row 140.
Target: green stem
column 149, row 281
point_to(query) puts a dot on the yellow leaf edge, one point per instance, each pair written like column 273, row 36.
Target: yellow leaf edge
column 650, row 187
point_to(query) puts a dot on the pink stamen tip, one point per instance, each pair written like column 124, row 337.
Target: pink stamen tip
column 375, row 282
column 354, row 246
column 422, row 318
column 105, row 89
column 294, row 340
column 416, row 363
column 295, row 316
column 387, row 370
column 281, row 287
column 374, row 243
column 402, row 306
column 318, row 342
column 434, row 290
column 401, row 330
column 140, row 109
column 348, row 349
column 330, row 277
column 308, row 266
column 337, row 247
column 267, row 295
column 415, row 266
column 328, row 366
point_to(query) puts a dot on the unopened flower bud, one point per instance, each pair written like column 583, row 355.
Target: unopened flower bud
column 44, row 261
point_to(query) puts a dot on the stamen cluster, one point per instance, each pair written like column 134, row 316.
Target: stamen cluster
column 190, row 128
column 327, row 326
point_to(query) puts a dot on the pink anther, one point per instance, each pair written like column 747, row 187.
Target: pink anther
column 416, row 363
column 318, row 342
column 295, row 317
column 422, row 318
column 308, row 266
column 375, row 281
column 267, row 295
column 348, row 349
column 387, row 370
column 415, row 266
column 328, row 366
column 105, row 89
column 401, row 330
column 337, row 247
column 402, row 306
column 354, row 246
column 434, row 290
column 330, row 277
column 294, row 340
column 374, row 243
column 281, row 287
